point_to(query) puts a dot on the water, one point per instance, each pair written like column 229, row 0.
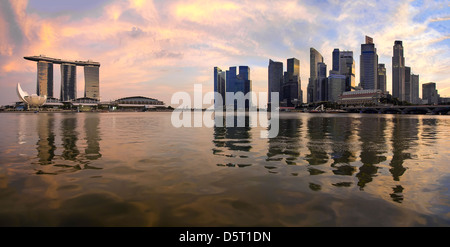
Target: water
column 136, row 169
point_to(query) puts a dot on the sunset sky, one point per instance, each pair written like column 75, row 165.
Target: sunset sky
column 156, row 48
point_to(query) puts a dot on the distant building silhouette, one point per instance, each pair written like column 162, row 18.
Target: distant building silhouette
column 275, row 80
column 407, row 93
column 219, row 87
column 368, row 65
column 415, row 89
column 398, row 71
column 322, row 82
column 291, row 87
column 429, row 93
column 314, row 58
column 381, row 79
column 238, row 83
column 342, row 77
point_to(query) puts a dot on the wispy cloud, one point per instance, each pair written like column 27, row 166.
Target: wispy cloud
column 156, row 48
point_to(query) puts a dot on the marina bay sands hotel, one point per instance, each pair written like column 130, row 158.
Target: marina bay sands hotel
column 68, row 77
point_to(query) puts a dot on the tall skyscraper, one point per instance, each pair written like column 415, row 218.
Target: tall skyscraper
column 322, row 83
column 336, row 54
column 347, row 68
column 368, row 65
column 314, row 58
column 219, row 87
column 429, row 93
column 45, row 79
column 291, row 87
column 381, row 79
column 415, row 89
column 238, row 83
column 275, row 72
column 68, row 82
column 398, row 71
column 407, row 94
column 92, row 85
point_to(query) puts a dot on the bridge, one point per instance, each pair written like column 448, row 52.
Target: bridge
column 387, row 109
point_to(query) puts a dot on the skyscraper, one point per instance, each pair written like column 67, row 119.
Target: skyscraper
column 381, row 79
column 368, row 65
column 336, row 85
column 291, row 87
column 398, row 71
column 238, row 83
column 429, row 93
column 314, row 58
column 68, row 82
column 275, row 72
column 45, row 79
column 322, row 84
column 219, row 87
column 336, row 54
column 414, row 89
column 347, row 68
column 407, row 94
column 91, row 77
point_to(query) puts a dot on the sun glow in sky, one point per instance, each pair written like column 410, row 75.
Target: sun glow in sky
column 156, row 48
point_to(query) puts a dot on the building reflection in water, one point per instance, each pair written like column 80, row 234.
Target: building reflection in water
column 46, row 142
column 91, row 126
column 287, row 144
column 342, row 150
column 230, row 141
column 373, row 148
column 404, row 138
column 317, row 133
column 69, row 138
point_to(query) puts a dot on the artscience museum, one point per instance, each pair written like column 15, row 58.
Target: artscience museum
column 32, row 100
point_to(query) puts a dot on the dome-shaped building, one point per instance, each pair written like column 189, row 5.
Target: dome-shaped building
column 33, row 100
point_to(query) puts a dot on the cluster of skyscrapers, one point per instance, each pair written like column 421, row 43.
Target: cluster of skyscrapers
column 68, row 78
column 341, row 77
column 340, row 80
column 231, row 81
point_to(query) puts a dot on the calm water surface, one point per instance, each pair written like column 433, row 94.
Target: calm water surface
column 136, row 169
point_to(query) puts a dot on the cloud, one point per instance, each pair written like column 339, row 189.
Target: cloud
column 146, row 44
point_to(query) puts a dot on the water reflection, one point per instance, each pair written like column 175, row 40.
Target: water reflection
column 230, row 141
column 373, row 148
column 46, row 142
column 69, row 138
column 285, row 147
column 317, row 133
column 70, row 157
column 343, row 151
column 91, row 127
column 319, row 170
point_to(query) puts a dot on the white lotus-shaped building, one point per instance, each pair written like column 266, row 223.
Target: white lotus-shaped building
column 32, row 100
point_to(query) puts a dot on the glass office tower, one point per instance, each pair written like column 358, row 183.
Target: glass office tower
column 275, row 80
column 238, row 83
column 291, row 88
column 368, row 65
column 44, row 79
column 398, row 71
column 68, row 82
column 314, row 58
column 381, row 79
column 219, row 87
column 91, row 77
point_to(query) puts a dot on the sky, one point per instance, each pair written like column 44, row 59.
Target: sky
column 160, row 47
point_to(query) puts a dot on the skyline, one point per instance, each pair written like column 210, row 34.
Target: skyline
column 157, row 48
